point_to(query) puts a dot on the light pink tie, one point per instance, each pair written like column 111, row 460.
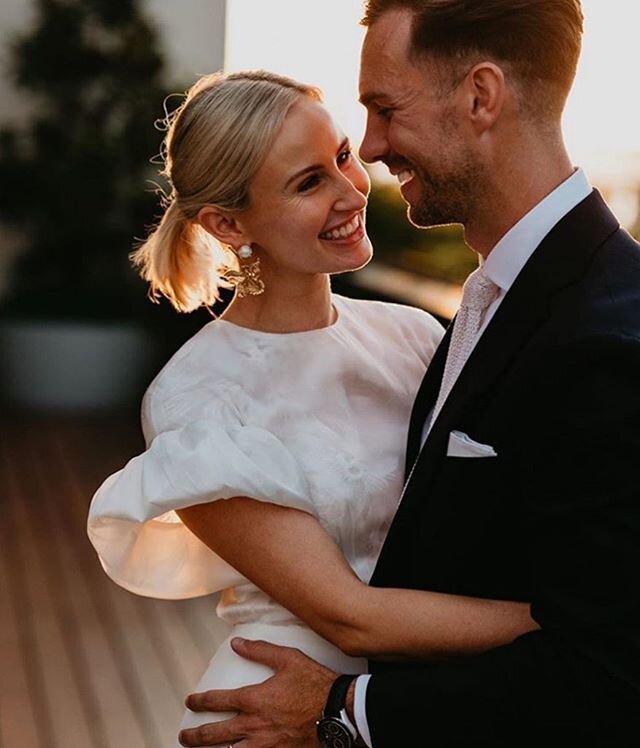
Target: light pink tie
column 477, row 294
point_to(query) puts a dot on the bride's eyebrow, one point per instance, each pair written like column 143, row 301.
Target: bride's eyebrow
column 314, row 167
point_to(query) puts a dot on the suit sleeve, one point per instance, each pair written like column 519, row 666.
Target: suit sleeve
column 578, row 477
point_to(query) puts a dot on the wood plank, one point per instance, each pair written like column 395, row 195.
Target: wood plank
column 109, row 710
column 142, row 681
column 51, row 492
column 91, row 665
column 17, row 713
column 56, row 684
column 58, row 698
column 33, row 733
column 141, row 642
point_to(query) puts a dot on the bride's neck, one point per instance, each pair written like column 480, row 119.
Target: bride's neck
column 286, row 306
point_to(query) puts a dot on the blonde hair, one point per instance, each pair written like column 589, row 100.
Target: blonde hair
column 216, row 142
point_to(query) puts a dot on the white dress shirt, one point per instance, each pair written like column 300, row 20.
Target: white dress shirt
column 502, row 266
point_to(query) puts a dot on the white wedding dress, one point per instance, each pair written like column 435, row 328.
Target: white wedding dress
column 314, row 420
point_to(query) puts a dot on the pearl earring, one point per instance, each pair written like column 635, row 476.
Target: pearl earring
column 246, row 279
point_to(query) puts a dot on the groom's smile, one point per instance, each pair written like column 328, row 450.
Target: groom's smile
column 405, row 176
column 415, row 125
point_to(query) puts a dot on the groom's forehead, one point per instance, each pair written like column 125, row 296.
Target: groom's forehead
column 387, row 68
column 386, row 47
column 391, row 33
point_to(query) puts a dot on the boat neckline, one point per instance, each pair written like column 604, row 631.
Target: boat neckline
column 263, row 333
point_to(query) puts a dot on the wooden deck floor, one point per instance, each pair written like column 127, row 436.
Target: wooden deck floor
column 83, row 663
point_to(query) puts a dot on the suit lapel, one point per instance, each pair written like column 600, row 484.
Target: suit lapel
column 560, row 259
column 426, row 399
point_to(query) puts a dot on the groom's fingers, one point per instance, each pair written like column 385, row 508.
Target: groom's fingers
column 218, row 701
column 224, row 733
column 272, row 655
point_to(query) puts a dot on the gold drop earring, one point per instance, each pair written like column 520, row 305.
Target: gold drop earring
column 247, row 279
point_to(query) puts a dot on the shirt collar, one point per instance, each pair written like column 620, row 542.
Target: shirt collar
column 510, row 254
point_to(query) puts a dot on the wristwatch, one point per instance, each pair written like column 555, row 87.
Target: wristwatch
column 335, row 729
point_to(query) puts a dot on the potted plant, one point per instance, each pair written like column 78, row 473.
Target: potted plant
column 75, row 319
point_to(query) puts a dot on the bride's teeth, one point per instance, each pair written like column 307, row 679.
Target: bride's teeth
column 344, row 231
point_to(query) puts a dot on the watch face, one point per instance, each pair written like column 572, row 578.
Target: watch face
column 332, row 733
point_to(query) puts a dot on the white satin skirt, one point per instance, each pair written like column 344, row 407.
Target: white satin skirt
column 228, row 670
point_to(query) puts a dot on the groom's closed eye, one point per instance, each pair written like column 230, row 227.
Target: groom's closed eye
column 384, row 112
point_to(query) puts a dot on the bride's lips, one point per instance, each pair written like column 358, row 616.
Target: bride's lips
column 345, row 233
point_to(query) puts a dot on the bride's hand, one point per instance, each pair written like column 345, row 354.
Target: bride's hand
column 281, row 712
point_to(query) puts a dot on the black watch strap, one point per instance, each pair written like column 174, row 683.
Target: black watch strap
column 338, row 695
column 335, row 729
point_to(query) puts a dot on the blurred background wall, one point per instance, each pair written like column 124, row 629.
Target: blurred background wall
column 82, row 86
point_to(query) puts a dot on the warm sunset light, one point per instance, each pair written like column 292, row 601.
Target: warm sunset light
column 320, row 44
column 292, row 451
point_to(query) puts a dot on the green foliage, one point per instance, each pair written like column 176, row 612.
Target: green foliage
column 437, row 253
column 75, row 177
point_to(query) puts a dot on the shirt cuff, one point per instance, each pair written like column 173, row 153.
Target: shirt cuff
column 360, row 708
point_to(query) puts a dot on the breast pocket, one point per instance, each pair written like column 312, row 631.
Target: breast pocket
column 467, row 489
column 466, row 523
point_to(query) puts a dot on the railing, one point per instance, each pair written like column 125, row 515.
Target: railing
column 387, row 283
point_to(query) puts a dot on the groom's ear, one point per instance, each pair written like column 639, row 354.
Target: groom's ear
column 485, row 89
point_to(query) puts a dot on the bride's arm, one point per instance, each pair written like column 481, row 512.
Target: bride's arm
column 287, row 554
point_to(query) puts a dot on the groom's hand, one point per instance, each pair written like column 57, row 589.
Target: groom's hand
column 281, row 712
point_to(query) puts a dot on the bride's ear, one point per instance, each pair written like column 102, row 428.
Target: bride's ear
column 222, row 225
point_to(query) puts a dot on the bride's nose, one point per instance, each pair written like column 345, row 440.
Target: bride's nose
column 350, row 197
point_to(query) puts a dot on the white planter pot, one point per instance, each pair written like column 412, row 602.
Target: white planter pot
column 66, row 366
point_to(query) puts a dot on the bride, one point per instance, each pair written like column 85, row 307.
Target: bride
column 275, row 435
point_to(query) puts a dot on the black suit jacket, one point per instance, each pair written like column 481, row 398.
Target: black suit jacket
column 554, row 386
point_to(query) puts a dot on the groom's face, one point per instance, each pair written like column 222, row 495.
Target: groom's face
column 414, row 126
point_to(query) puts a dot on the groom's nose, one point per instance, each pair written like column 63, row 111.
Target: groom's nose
column 374, row 146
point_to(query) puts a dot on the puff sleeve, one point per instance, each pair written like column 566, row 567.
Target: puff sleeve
column 141, row 542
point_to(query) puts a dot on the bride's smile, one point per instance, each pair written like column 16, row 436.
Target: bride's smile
column 308, row 199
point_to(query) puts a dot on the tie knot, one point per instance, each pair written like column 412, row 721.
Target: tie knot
column 479, row 290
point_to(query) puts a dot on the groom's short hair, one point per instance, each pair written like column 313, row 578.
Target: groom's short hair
column 538, row 41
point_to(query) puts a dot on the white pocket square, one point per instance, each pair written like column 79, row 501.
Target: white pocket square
column 461, row 445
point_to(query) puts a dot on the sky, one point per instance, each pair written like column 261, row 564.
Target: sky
column 319, row 43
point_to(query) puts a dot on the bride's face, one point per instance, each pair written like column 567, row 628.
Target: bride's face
column 307, row 201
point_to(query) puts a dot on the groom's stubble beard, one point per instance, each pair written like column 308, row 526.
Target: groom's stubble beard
column 451, row 180
column 447, row 195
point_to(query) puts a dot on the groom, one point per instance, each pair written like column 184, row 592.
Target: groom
column 525, row 434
